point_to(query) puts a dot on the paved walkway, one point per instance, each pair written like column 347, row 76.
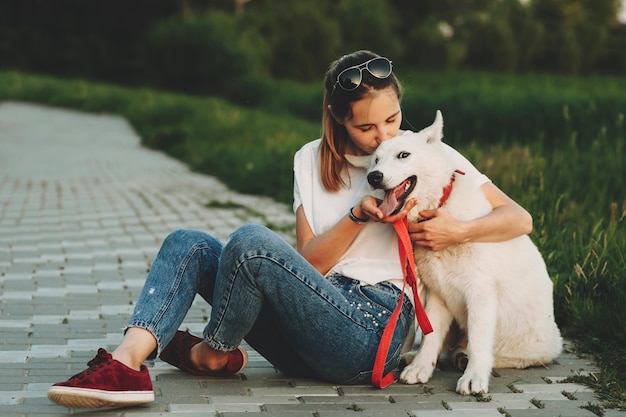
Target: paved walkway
column 83, row 210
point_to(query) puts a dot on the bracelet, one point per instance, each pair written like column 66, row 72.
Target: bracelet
column 356, row 219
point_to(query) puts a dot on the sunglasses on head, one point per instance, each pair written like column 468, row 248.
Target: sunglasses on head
column 350, row 78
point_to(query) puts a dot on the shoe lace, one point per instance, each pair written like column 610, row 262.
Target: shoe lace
column 101, row 359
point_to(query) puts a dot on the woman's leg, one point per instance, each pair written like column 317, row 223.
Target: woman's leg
column 185, row 261
column 136, row 346
column 261, row 289
column 185, row 265
column 334, row 327
column 270, row 342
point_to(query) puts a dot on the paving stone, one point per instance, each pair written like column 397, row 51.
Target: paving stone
column 551, row 388
column 253, row 399
column 613, row 413
column 458, row 413
column 314, row 399
column 366, row 413
column 274, row 414
column 10, row 386
column 550, row 413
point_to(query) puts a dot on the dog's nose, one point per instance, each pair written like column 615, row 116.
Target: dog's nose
column 375, row 178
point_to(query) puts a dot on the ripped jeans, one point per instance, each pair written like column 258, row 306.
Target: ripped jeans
column 263, row 291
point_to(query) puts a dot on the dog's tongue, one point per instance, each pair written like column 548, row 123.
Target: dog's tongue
column 390, row 202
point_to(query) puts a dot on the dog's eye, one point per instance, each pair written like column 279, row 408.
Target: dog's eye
column 403, row 155
column 376, row 160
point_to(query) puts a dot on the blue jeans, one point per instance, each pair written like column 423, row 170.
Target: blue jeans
column 264, row 291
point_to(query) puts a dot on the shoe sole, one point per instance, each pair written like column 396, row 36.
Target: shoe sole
column 92, row 398
column 245, row 358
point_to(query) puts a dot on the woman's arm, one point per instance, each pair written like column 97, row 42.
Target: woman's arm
column 507, row 221
column 324, row 251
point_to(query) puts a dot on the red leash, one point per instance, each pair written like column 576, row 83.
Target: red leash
column 405, row 249
column 408, row 263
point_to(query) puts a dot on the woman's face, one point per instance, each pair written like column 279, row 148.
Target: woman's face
column 374, row 119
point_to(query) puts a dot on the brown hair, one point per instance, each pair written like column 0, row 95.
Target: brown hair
column 337, row 106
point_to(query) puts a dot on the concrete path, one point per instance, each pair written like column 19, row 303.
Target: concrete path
column 83, row 210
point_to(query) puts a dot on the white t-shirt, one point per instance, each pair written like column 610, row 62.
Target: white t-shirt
column 373, row 256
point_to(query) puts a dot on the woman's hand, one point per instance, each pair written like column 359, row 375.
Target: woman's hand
column 324, row 250
column 438, row 231
column 368, row 207
column 506, row 221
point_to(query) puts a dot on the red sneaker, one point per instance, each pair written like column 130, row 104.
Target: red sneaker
column 107, row 383
column 178, row 353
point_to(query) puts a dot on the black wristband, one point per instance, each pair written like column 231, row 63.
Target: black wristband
column 355, row 219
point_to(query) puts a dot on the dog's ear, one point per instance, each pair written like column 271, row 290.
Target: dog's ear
column 434, row 132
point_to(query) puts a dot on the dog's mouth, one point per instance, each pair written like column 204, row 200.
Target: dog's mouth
column 396, row 197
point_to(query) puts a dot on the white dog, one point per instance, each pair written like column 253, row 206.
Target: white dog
column 499, row 294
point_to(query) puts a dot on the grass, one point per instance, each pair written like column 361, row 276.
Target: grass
column 607, row 389
column 569, row 172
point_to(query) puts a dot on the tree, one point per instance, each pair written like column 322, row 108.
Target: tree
column 199, row 54
column 490, row 43
column 576, row 33
column 301, row 39
column 369, row 24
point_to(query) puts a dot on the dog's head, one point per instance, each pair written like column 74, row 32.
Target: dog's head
column 411, row 165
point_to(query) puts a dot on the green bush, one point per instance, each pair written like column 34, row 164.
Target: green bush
column 207, row 53
column 202, row 47
column 490, row 44
column 284, row 97
column 301, row 39
column 496, row 108
column 431, row 45
column 369, row 24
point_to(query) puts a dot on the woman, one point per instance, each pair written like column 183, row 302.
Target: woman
column 315, row 312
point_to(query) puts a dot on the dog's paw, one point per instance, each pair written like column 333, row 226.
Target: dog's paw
column 416, row 373
column 473, row 383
